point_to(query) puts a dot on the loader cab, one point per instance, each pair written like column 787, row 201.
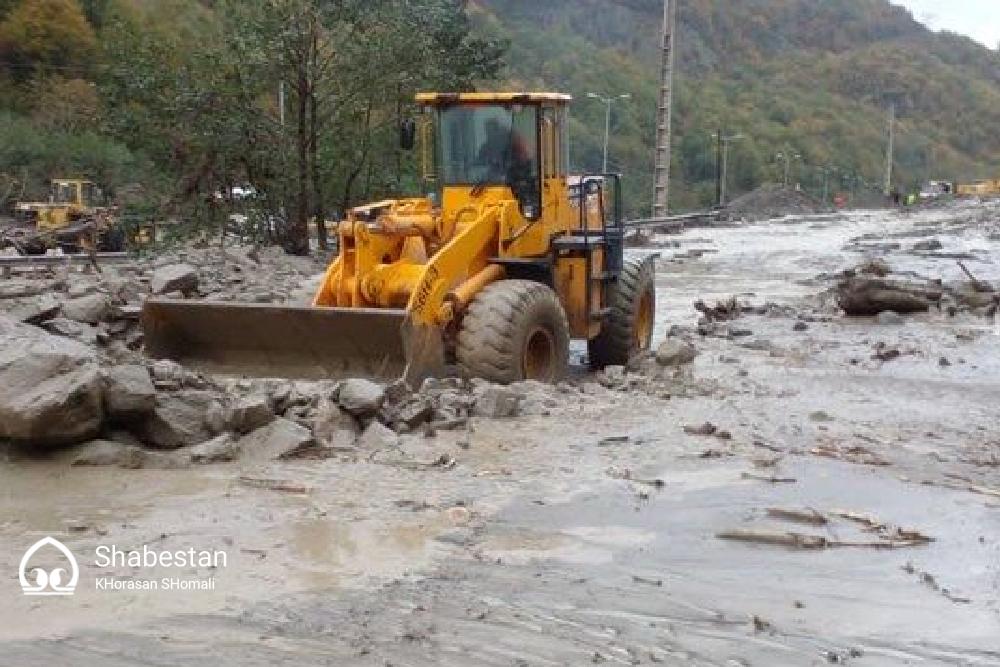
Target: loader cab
column 478, row 145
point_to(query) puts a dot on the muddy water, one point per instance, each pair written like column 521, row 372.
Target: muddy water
column 554, row 558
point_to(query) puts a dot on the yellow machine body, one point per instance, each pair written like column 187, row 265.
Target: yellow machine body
column 410, row 268
column 73, row 216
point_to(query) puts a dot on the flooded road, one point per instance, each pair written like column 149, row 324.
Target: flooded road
column 589, row 535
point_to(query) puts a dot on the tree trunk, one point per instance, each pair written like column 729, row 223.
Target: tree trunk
column 297, row 240
column 319, row 207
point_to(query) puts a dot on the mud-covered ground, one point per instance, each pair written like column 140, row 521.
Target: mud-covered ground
column 590, row 535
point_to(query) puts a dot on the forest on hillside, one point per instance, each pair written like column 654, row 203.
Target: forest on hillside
column 807, row 78
column 169, row 101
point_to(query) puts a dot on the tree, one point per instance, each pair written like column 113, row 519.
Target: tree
column 45, row 35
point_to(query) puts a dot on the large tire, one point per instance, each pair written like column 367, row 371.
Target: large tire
column 514, row 330
column 628, row 329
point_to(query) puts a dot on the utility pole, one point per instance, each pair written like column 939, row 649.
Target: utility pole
column 664, row 113
column 788, row 156
column 722, row 182
column 890, row 149
column 281, row 102
column 608, row 101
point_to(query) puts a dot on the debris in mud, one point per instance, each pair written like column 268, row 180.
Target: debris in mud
column 770, row 479
column 772, row 201
column 273, row 485
column 856, row 454
column 628, row 476
column 871, row 296
column 811, row 542
column 811, row 517
column 931, row 582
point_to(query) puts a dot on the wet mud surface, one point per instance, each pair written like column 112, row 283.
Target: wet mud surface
column 589, row 535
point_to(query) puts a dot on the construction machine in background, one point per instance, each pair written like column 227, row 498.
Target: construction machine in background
column 490, row 275
column 74, row 219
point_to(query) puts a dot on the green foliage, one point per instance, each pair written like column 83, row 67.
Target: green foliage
column 45, row 35
column 33, row 156
column 805, row 76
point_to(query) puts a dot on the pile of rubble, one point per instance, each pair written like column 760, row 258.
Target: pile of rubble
column 55, row 391
column 772, row 201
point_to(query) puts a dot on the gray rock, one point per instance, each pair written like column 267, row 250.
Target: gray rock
column 143, row 458
column 50, row 387
column 930, row 245
column 179, row 420
column 84, row 333
column 90, row 309
column 332, row 425
column 166, row 370
column 411, row 412
column 215, row 418
column 281, row 439
column 889, row 318
column 674, row 352
column 496, row 402
column 41, row 309
column 181, row 278
column 103, row 453
column 377, row 436
column 362, row 398
column 221, row 449
column 800, row 326
column 128, row 392
column 249, row 414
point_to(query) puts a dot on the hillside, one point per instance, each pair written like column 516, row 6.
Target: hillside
column 808, row 75
column 177, row 96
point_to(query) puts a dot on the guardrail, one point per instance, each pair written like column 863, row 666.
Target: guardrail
column 674, row 222
column 62, row 260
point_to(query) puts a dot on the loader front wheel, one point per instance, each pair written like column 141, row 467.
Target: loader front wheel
column 514, row 330
column 628, row 330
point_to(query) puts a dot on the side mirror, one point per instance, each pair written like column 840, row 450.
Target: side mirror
column 407, row 134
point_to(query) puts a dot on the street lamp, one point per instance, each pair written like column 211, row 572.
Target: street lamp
column 726, row 142
column 788, row 156
column 608, row 101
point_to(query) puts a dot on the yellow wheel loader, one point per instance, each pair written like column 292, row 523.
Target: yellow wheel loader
column 73, row 219
column 490, row 275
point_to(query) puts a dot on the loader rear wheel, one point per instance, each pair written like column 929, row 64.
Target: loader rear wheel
column 628, row 330
column 514, row 330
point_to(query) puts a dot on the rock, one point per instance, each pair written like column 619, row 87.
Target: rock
column 334, row 426
column 215, row 418
column 174, row 278
column 220, row 449
column 165, row 370
column 91, row 309
column 411, row 412
column 281, row 439
column 889, row 318
column 800, row 327
column 362, row 398
column 128, row 392
column 60, row 326
column 673, row 353
column 875, row 266
column 250, row 413
column 103, row 453
column 496, row 402
column 377, row 436
column 944, row 362
column 930, row 245
column 50, row 387
column 37, row 311
column 178, row 420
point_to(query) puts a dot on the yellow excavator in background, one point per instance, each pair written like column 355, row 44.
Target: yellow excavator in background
column 490, row 275
column 74, row 219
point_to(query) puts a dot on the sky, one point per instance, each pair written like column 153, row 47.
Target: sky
column 979, row 19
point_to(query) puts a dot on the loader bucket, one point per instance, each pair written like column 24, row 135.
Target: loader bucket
column 287, row 341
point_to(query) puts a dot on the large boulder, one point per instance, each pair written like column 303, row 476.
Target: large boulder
column 674, row 352
column 179, row 420
column 128, row 392
column 90, row 309
column 281, row 439
column 250, row 413
column 174, row 278
column 50, row 387
column 362, row 398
